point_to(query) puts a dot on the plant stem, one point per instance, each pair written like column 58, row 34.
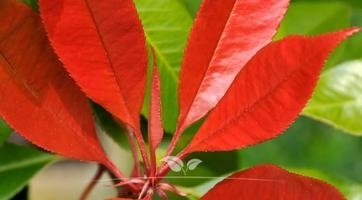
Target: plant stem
column 93, row 182
column 118, row 175
column 142, row 147
column 174, row 141
column 136, row 172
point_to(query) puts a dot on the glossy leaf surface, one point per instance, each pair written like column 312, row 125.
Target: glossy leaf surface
column 38, row 98
column 219, row 46
column 18, row 167
column 267, row 94
column 166, row 24
column 338, row 98
column 265, row 182
column 102, row 45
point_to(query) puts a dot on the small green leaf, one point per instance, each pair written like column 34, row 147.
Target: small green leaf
column 5, row 131
column 18, row 165
column 337, row 99
column 166, row 24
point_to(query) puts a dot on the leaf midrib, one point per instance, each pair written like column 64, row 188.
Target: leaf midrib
column 108, row 57
column 25, row 163
column 253, row 105
column 207, row 68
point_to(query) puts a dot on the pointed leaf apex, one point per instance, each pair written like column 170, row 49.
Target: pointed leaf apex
column 262, row 102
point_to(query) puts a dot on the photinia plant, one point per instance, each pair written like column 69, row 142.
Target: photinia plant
column 245, row 87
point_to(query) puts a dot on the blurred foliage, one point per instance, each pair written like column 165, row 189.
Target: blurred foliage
column 166, row 24
column 18, row 165
column 314, row 149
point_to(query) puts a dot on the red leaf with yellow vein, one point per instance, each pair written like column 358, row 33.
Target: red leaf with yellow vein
column 102, row 45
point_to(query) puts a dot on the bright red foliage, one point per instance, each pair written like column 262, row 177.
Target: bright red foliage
column 99, row 42
column 268, row 182
column 38, row 98
column 251, row 87
column 155, row 132
column 228, row 33
column 267, row 94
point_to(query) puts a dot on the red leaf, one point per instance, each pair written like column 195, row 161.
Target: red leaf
column 267, row 94
column 226, row 34
column 155, row 123
column 268, row 182
column 102, row 45
column 38, row 98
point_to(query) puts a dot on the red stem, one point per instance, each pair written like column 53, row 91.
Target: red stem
column 174, row 141
column 93, row 182
column 136, row 172
column 142, row 147
column 118, row 174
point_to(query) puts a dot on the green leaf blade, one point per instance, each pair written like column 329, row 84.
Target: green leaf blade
column 166, row 24
column 337, row 99
column 18, row 167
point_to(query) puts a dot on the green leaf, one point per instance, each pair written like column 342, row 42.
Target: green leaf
column 166, row 25
column 337, row 99
column 191, row 5
column 18, row 165
column 354, row 192
column 5, row 131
